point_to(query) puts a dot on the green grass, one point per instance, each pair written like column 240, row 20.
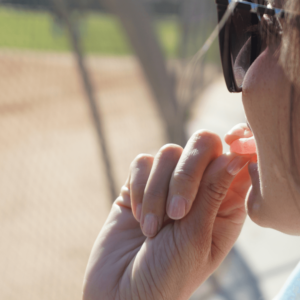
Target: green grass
column 102, row 34
column 30, row 30
column 168, row 35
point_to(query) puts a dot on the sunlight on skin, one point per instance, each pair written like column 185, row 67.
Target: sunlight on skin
column 184, row 252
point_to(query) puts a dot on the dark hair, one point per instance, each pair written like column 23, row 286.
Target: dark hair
column 290, row 62
column 290, row 46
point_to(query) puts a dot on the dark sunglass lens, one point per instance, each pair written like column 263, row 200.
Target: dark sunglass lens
column 244, row 43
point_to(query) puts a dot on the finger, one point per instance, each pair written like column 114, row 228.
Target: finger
column 233, row 206
column 213, row 189
column 124, row 197
column 241, row 183
column 139, row 173
column 237, row 132
column 127, row 182
column 156, row 192
column 200, row 150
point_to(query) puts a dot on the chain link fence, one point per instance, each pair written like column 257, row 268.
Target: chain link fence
column 63, row 95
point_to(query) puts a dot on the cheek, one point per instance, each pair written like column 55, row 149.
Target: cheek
column 266, row 99
column 258, row 84
column 257, row 91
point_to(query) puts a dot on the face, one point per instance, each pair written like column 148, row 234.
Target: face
column 274, row 200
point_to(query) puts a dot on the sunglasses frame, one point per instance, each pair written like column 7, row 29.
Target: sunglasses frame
column 224, row 34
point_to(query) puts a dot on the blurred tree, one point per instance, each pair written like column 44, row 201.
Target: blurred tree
column 174, row 96
column 63, row 11
column 172, row 104
column 138, row 26
column 157, row 7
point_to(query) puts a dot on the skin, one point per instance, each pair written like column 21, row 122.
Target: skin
column 275, row 200
column 128, row 263
column 184, row 245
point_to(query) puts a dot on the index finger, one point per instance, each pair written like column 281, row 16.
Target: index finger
column 203, row 147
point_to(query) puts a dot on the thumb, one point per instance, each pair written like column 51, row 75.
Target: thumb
column 212, row 191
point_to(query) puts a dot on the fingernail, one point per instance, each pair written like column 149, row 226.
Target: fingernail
column 236, row 165
column 150, row 225
column 176, row 209
column 139, row 212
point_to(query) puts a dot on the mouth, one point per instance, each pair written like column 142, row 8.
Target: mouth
column 254, row 192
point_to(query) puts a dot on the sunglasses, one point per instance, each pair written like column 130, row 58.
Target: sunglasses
column 241, row 39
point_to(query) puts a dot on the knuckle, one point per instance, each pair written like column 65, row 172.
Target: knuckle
column 142, row 160
column 184, row 176
column 124, row 191
column 170, row 151
column 220, row 248
column 153, row 194
column 124, row 196
column 216, row 191
column 138, row 185
column 210, row 139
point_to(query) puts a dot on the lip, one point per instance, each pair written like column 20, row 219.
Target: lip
column 253, row 171
column 254, row 192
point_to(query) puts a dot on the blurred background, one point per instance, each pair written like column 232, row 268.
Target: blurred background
column 85, row 86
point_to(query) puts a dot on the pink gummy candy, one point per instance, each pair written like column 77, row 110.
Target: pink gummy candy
column 243, row 146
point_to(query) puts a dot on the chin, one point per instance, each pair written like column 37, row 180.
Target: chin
column 253, row 205
column 254, row 197
column 264, row 218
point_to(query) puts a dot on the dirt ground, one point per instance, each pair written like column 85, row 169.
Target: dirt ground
column 53, row 191
column 53, row 195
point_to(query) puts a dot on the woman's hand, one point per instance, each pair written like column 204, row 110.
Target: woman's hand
column 177, row 217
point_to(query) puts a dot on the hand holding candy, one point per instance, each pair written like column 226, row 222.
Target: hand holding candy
column 151, row 246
